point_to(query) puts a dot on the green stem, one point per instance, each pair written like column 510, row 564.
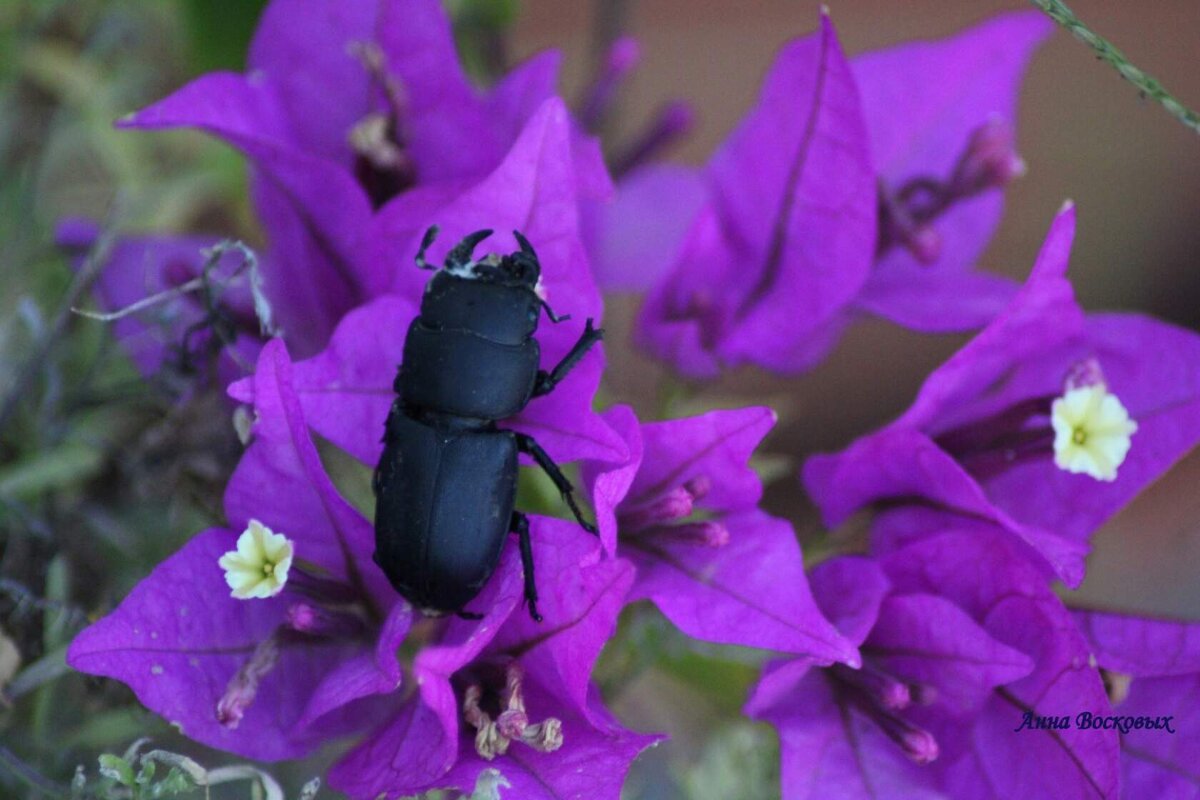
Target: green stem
column 1104, row 50
column 28, row 775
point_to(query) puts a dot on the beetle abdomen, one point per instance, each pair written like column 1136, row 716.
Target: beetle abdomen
column 444, row 506
column 461, row 373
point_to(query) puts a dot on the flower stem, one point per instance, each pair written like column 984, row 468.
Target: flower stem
column 1147, row 85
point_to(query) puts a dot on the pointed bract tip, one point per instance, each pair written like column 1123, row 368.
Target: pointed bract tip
column 1068, row 205
column 852, row 659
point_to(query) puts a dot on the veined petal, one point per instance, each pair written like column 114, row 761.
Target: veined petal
column 177, row 640
column 788, row 237
column 919, row 127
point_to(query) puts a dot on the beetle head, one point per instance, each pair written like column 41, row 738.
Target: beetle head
column 521, row 268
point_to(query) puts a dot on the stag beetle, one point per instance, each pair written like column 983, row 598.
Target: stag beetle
column 447, row 480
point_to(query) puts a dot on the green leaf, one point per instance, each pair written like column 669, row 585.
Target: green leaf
column 116, row 768
column 49, row 667
column 175, row 783
column 58, row 468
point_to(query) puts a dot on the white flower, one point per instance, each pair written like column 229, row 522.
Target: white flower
column 259, row 566
column 1092, row 431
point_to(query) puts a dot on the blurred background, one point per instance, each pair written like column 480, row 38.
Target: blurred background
column 102, row 475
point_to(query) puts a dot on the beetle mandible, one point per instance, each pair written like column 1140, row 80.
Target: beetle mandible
column 446, row 483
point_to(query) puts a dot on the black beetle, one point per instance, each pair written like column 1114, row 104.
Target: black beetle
column 447, row 480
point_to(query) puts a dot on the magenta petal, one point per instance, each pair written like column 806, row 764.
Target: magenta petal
column 302, row 46
column 563, row 421
column 779, row 680
column 926, row 639
column 984, row 573
column 827, row 749
column 1043, row 314
column 401, row 757
column 346, row 389
column 681, row 316
column 280, row 481
column 412, row 753
column 533, row 190
column 750, row 591
column 1161, row 762
column 178, row 638
column 899, row 463
column 779, row 182
column 1154, row 369
column 592, row 763
column 452, row 130
column 366, row 674
column 903, row 461
column 789, row 237
column 849, row 591
column 239, row 109
column 715, row 446
column 634, row 239
column 610, row 481
column 315, row 211
column 919, row 127
column 1070, row 763
column 971, row 566
column 935, row 302
column 1139, row 646
column 579, row 599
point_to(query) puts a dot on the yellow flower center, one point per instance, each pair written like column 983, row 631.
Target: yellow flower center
column 1092, row 432
column 258, row 568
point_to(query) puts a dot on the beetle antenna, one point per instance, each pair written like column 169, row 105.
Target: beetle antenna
column 550, row 313
column 460, row 256
column 427, row 240
column 526, row 247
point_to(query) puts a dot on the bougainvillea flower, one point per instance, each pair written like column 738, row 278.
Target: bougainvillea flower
column 943, row 150
column 347, row 388
column 1151, row 668
column 175, row 334
column 985, row 573
column 684, row 509
column 960, row 636
column 273, row 678
column 787, row 237
column 346, row 106
column 979, row 437
column 552, row 662
column 890, row 187
column 180, row 638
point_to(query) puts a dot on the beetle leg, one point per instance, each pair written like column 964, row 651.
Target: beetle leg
column 552, row 316
column 520, row 526
column 546, row 381
column 527, row 444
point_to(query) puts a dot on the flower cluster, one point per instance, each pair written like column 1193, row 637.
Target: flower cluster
column 852, row 187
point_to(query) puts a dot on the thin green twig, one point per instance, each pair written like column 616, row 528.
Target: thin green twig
column 1104, row 49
